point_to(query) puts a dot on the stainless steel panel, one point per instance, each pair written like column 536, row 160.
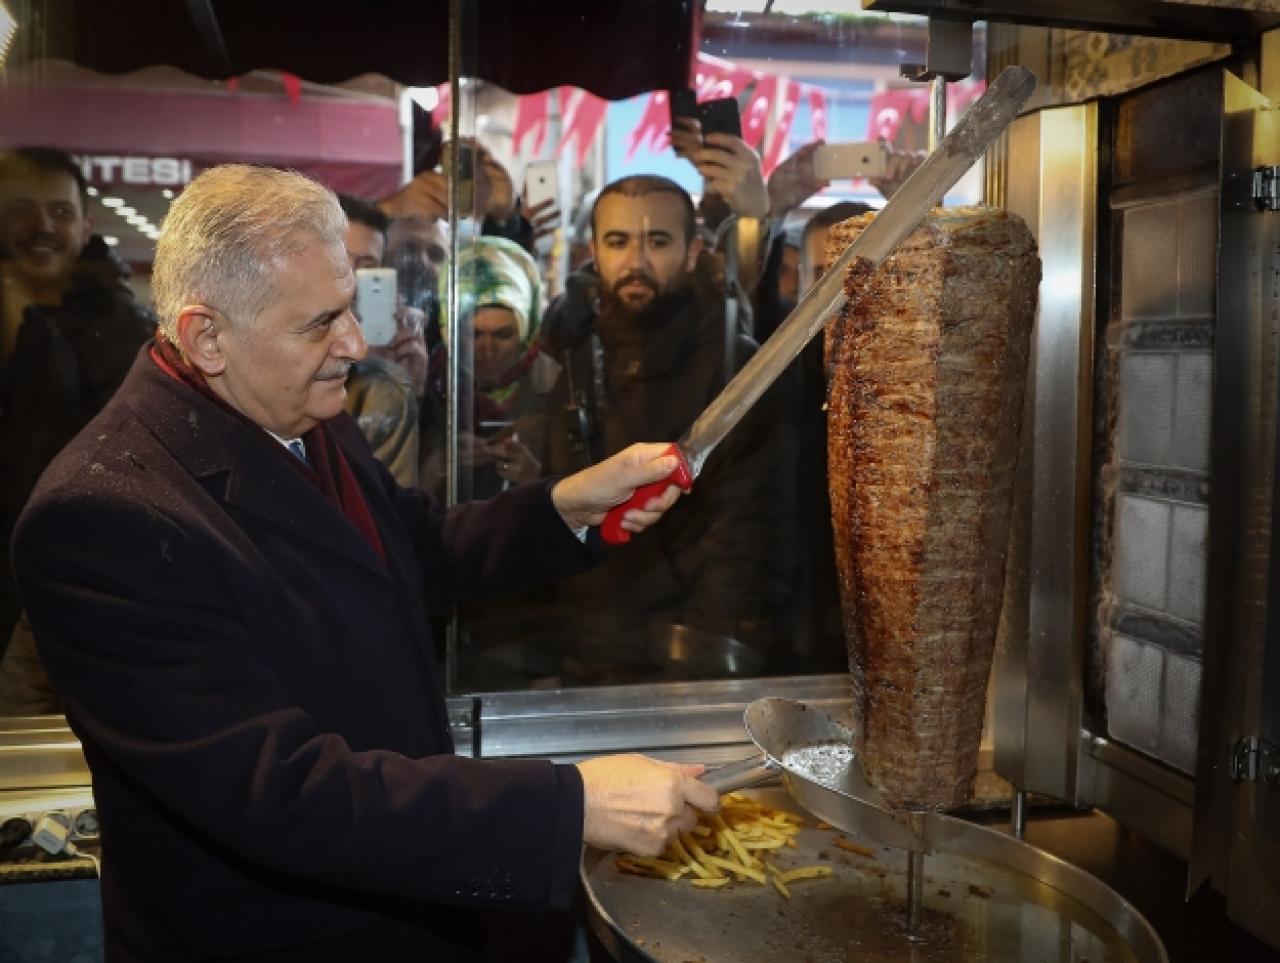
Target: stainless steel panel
column 1193, row 411
column 1188, row 552
column 1150, row 253
column 1141, row 551
column 1235, row 824
column 1137, row 792
column 1143, row 17
column 40, row 752
column 698, row 721
column 1040, row 675
column 1153, row 699
column 1144, row 433
column 1197, row 248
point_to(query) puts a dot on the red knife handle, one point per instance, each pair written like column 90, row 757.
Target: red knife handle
column 611, row 529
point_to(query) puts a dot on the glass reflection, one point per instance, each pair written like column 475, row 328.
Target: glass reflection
column 613, row 266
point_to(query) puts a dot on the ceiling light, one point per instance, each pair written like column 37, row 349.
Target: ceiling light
column 167, row 194
column 110, row 240
column 8, row 29
column 112, row 201
column 91, row 191
column 126, row 211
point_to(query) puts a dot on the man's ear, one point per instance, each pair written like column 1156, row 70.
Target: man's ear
column 198, row 328
column 695, row 248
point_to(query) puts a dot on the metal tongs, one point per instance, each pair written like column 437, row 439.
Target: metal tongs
column 813, row 754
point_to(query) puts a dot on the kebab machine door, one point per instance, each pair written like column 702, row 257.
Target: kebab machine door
column 1237, row 806
column 1138, row 665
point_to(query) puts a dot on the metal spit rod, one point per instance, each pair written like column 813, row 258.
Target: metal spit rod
column 937, row 112
column 915, row 895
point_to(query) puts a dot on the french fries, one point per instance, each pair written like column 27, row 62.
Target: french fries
column 727, row 848
column 843, row 843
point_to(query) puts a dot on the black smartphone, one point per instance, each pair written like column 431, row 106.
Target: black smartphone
column 720, row 117
column 682, row 103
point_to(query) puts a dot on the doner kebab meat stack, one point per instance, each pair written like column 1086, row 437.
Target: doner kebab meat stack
column 926, row 368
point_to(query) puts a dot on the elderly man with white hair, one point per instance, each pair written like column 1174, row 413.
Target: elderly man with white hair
column 232, row 595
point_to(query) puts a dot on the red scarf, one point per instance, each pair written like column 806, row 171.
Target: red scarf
column 328, row 470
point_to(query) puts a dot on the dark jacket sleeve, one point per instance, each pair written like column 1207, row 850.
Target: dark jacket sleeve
column 511, row 542
column 170, row 688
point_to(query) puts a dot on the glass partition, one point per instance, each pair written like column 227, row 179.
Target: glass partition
column 546, row 317
column 661, row 262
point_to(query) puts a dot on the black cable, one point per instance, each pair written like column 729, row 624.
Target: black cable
column 13, row 833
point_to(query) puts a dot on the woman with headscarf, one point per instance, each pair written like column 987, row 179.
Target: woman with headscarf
column 500, row 305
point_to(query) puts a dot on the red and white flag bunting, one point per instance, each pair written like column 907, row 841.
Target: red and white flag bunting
column 766, row 120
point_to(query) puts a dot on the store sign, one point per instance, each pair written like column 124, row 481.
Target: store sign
column 105, row 169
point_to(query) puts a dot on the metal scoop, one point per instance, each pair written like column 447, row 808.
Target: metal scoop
column 814, row 755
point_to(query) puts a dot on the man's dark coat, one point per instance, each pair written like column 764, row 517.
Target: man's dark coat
column 258, row 695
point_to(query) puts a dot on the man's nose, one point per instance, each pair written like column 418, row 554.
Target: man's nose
column 637, row 255
column 42, row 220
column 349, row 341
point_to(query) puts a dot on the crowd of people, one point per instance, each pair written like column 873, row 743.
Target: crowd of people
column 228, row 583
column 642, row 335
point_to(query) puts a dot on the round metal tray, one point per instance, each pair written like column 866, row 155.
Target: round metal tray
column 987, row 896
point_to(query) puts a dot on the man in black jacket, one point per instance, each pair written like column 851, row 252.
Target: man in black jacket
column 644, row 345
column 233, row 596
column 69, row 329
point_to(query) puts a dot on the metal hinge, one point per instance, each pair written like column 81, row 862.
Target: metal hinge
column 1266, row 188
column 1253, row 760
column 464, row 723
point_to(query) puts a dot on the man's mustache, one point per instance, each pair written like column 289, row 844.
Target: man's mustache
column 334, row 371
column 43, row 237
column 636, row 277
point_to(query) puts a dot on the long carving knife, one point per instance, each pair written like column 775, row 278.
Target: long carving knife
column 960, row 149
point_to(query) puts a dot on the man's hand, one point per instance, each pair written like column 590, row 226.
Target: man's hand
column 543, row 218
column 731, row 169
column 638, row 804
column 495, row 194
column 792, row 182
column 408, row 349
column 426, row 196
column 686, row 137
column 584, row 499
column 898, row 166
column 515, row 463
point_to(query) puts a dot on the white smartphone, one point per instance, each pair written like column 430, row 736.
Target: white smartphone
column 541, row 183
column 376, row 304
column 833, row 162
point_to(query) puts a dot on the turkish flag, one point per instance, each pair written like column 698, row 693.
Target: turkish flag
column 583, row 114
column 531, row 118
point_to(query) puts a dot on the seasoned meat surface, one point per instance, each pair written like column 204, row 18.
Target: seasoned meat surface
column 927, row 365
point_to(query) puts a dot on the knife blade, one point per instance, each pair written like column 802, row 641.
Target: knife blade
column 986, row 120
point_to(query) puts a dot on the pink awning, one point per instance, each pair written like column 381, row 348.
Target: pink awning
column 147, row 137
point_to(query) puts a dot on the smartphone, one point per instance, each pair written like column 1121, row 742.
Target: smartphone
column 376, row 304
column 682, row 103
column 490, row 429
column 465, row 171
column 541, row 183
column 720, row 117
column 833, row 162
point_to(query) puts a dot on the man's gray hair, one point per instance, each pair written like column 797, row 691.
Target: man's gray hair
column 223, row 232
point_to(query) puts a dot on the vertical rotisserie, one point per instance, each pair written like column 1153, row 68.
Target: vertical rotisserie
column 926, row 368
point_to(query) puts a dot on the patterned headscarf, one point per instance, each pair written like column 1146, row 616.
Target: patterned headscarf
column 495, row 271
